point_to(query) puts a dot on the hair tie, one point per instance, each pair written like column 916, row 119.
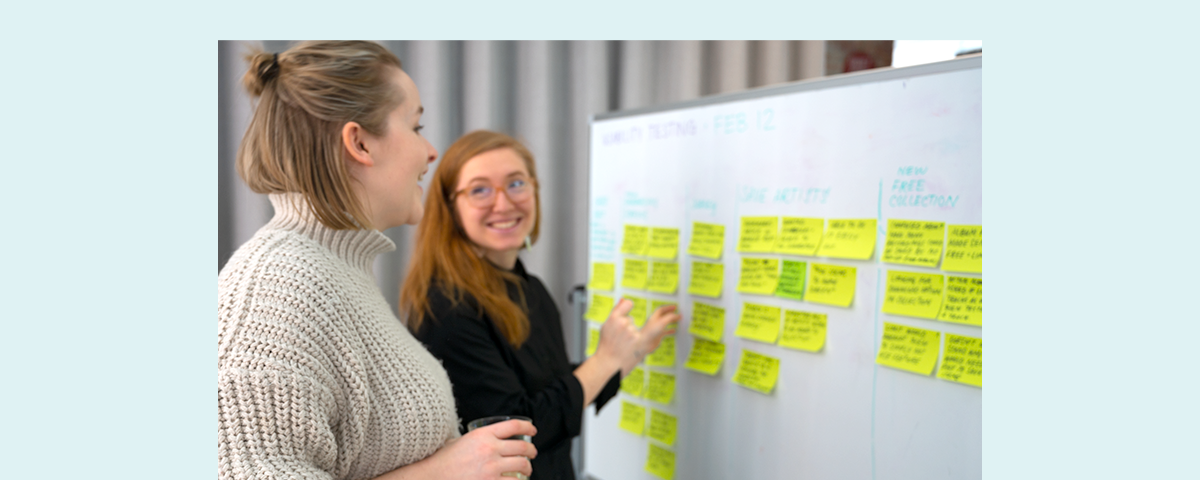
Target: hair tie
column 272, row 69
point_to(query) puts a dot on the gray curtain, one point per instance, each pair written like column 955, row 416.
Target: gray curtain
column 541, row 92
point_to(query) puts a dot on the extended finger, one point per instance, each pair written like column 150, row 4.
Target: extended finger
column 515, row 464
column 521, row 448
column 511, row 428
column 624, row 306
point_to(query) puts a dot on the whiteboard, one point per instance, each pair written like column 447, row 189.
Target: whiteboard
column 841, row 147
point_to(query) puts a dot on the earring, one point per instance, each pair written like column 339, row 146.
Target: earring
column 528, row 246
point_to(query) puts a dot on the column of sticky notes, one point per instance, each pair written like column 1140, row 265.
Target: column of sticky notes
column 649, row 267
column 916, row 291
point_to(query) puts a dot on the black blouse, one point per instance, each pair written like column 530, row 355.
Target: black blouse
column 490, row 377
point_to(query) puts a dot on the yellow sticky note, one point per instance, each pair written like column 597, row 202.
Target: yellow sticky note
column 662, row 427
column 757, row 372
column 599, row 308
column 634, row 383
column 964, row 249
column 664, row 355
column 830, row 285
column 759, row 322
column 963, row 302
column 800, row 236
column 913, row 294
column 706, row 356
column 708, row 239
column 638, row 312
column 758, row 234
column 602, row 276
column 908, row 348
column 635, row 274
column 962, row 360
column 803, row 330
column 759, row 275
column 660, row 462
column 633, row 418
column 849, row 238
column 664, row 277
column 593, row 340
column 708, row 321
column 661, row 387
column 707, row 279
column 637, row 239
column 912, row 242
column 664, row 243
column 791, row 280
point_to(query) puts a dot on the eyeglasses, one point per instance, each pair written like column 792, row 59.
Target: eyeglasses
column 484, row 195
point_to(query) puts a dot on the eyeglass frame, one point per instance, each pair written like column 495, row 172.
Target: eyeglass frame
column 454, row 196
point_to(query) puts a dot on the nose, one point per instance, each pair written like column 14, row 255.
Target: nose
column 432, row 151
column 502, row 202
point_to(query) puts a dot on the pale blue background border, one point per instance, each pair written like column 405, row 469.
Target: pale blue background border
column 110, row 189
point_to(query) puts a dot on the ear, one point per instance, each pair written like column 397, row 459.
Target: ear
column 354, row 139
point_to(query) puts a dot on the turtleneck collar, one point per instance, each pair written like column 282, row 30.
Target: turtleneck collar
column 356, row 247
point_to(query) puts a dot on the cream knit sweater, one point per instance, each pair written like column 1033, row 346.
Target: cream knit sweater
column 316, row 377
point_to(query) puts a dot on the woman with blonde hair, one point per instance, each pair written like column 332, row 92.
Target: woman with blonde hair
column 316, row 377
column 493, row 325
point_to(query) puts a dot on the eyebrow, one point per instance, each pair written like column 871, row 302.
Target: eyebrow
column 510, row 175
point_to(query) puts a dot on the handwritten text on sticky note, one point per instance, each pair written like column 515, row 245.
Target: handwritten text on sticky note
column 706, row 356
column 758, row 234
column 758, row 275
column 664, row 277
column 913, row 294
column 791, row 280
column 800, row 236
column 707, row 279
column 660, row 462
column 964, row 249
column 662, row 427
column 757, row 372
column 635, row 274
column 635, row 382
column 803, row 330
column 962, row 360
column 830, row 284
column 637, row 239
column 912, row 242
column 963, row 302
column 664, row 243
column 602, row 276
column 908, row 348
column 661, row 387
column 759, row 322
column 708, row 321
column 708, row 240
column 599, row 308
column 848, row 238
column 633, row 418
column 664, row 355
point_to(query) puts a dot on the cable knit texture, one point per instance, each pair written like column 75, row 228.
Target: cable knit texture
column 316, row 377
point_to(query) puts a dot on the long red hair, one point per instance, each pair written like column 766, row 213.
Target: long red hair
column 445, row 255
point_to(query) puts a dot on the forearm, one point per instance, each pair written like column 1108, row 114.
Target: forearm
column 594, row 374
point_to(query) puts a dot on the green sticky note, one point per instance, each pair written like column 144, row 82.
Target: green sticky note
column 758, row 234
column 664, row 355
column 758, row 275
column 800, row 236
column 661, row 387
column 638, row 312
column 706, row 356
column 707, row 279
column 602, row 276
column 830, row 285
column 964, row 249
column 660, row 462
column 662, row 427
column 708, row 240
column 593, row 340
column 849, row 238
column 634, row 383
column 757, row 372
column 803, row 330
column 963, row 302
column 912, row 242
column 791, row 281
column 759, row 322
column 664, row 277
column 633, row 418
column 908, row 348
column 913, row 294
column 664, row 243
column 708, row 321
column 599, row 308
column 962, row 360
column 635, row 274
column 636, row 241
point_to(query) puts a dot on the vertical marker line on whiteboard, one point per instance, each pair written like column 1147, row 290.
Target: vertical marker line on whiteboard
column 875, row 307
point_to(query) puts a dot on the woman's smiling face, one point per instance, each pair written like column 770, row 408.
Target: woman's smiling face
column 497, row 223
